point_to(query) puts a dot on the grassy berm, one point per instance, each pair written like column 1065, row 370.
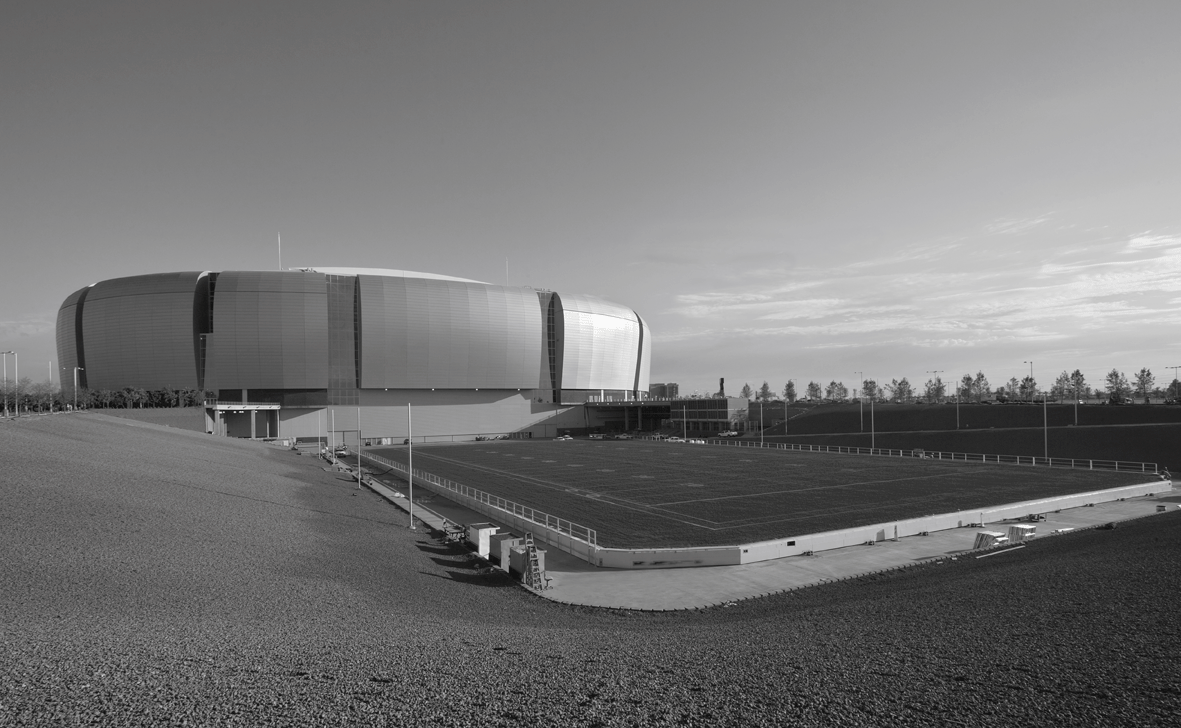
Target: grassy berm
column 157, row 577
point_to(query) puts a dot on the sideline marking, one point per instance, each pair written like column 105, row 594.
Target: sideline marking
column 1005, row 551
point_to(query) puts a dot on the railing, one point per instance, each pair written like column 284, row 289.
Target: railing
column 560, row 525
column 1120, row 465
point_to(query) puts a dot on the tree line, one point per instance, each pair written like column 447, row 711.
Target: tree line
column 1116, row 387
column 46, row 397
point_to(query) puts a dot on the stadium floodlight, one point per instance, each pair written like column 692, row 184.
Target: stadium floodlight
column 1030, row 363
column 76, row 370
column 1172, row 386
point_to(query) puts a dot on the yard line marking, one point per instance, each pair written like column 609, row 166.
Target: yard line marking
column 801, row 490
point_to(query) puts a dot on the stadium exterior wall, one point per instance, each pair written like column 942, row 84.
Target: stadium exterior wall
column 476, row 358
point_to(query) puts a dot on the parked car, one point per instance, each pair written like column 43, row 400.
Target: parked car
column 674, row 438
column 563, row 437
column 596, row 436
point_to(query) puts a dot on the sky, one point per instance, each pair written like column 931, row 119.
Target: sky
column 781, row 189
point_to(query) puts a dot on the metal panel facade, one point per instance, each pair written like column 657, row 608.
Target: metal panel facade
column 138, row 332
column 305, row 331
column 421, row 333
column 67, row 339
column 270, row 331
column 643, row 374
column 602, row 344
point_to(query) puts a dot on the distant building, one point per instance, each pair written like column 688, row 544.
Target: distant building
column 668, row 390
column 709, row 414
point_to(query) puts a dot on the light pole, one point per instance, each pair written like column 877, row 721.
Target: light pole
column 872, row 435
column 16, row 376
column 861, row 399
column 76, row 370
column 1030, row 363
column 1174, row 368
column 1046, row 426
column 410, row 461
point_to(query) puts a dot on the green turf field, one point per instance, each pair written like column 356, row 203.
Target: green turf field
column 656, row 494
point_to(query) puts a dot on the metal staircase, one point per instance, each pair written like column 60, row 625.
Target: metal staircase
column 533, row 577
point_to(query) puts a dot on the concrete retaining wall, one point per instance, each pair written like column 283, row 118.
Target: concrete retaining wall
column 796, row 545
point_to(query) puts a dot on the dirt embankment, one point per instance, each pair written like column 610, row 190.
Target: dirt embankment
column 184, row 418
column 155, row 577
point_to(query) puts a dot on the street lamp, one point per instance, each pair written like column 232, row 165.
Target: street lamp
column 17, row 376
column 1030, row 363
column 1174, row 368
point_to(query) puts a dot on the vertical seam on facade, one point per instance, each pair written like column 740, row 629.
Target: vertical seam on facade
column 79, row 350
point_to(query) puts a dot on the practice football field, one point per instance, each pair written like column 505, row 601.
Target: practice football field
column 645, row 494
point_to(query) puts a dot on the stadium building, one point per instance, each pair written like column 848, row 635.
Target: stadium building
column 294, row 353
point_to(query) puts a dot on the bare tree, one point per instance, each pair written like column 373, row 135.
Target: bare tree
column 814, row 391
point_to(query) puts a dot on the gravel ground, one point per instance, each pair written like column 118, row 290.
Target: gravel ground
column 160, row 577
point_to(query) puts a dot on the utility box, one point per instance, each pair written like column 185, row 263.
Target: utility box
column 987, row 539
column 1021, row 532
column 499, row 545
column 519, row 560
column 479, row 536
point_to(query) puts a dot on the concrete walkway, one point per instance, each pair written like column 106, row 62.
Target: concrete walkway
column 574, row 581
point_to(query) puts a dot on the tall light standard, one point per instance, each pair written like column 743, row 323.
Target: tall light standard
column 1030, row 363
column 410, row 462
column 1046, row 426
column 16, row 376
column 872, row 435
column 861, row 399
column 1176, row 394
column 76, row 370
